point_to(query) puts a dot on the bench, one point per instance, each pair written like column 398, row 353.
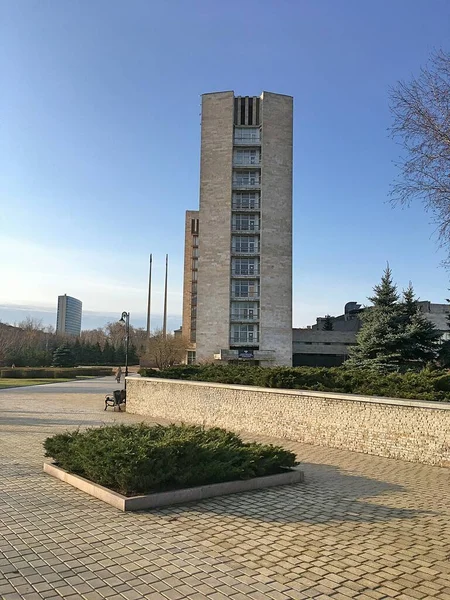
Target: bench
column 118, row 397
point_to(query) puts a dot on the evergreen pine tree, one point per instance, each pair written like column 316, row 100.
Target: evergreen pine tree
column 421, row 337
column 77, row 352
column 108, row 353
column 394, row 335
column 444, row 351
column 82, row 353
column 410, row 302
column 327, row 324
column 424, row 341
column 386, row 295
column 97, row 357
column 63, row 357
column 120, row 355
column 380, row 338
column 133, row 358
column 89, row 353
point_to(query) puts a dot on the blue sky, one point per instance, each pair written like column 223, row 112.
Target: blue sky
column 100, row 132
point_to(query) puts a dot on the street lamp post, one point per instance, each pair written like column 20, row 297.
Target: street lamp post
column 125, row 318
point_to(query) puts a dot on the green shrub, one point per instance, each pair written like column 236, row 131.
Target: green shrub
column 10, row 373
column 422, row 385
column 139, row 459
column 279, row 378
column 94, row 371
column 54, row 373
column 144, row 372
column 442, row 383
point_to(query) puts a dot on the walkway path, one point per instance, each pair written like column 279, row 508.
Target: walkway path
column 360, row 527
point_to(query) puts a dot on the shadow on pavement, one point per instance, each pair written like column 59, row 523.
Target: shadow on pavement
column 34, row 425
column 328, row 494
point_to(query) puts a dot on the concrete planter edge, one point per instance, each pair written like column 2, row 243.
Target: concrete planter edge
column 157, row 500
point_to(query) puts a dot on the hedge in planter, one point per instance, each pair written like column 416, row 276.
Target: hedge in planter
column 141, row 459
column 422, row 385
column 50, row 373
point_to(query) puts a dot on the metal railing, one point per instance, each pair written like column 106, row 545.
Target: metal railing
column 245, row 272
column 245, row 315
column 239, row 295
column 247, row 141
column 245, row 252
column 247, row 163
column 244, row 338
column 246, row 183
column 237, row 206
column 241, row 229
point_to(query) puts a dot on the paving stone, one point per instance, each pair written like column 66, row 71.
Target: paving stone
column 360, row 526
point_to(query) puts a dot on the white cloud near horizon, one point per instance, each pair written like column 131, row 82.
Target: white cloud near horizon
column 106, row 282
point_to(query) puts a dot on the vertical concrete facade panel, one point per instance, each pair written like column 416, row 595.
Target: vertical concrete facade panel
column 213, row 309
column 276, row 227
column 187, row 278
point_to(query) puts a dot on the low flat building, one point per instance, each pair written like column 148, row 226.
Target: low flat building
column 314, row 348
column 349, row 321
column 438, row 314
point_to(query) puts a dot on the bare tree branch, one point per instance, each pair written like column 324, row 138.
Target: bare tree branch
column 421, row 121
column 164, row 351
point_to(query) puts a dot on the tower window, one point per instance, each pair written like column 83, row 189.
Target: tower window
column 194, row 226
column 250, row 111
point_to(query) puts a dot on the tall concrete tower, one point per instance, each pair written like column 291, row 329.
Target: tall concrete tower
column 244, row 288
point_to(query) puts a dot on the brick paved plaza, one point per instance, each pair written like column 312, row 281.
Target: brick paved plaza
column 359, row 527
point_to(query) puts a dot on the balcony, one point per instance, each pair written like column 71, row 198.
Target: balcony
column 246, row 251
column 255, row 164
column 240, row 208
column 235, row 228
column 243, row 184
column 244, row 339
column 247, row 273
column 250, row 296
column 247, row 141
column 245, row 316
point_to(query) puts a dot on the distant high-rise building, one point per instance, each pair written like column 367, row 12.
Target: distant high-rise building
column 239, row 244
column 69, row 315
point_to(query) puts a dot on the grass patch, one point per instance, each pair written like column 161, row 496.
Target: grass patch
column 13, row 383
column 141, row 459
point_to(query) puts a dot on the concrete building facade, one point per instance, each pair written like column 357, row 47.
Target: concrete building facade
column 68, row 319
column 244, row 287
column 191, row 241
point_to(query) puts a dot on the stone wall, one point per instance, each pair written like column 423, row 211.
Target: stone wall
column 402, row 429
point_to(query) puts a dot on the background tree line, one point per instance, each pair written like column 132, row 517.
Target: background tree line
column 30, row 344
